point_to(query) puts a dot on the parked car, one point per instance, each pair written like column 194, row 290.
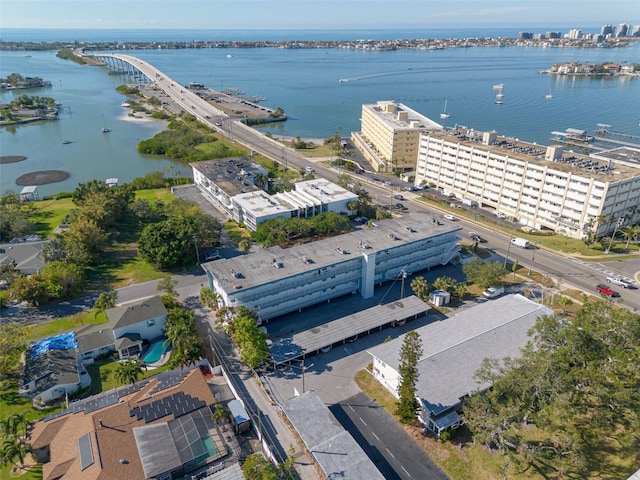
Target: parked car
column 361, row 219
column 621, row 282
column 493, row 292
column 605, row 290
column 398, row 197
column 211, row 255
column 500, row 215
column 399, row 206
column 449, row 217
column 309, row 169
column 410, row 188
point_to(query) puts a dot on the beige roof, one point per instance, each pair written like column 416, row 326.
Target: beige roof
column 115, row 440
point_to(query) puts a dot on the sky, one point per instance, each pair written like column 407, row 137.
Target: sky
column 314, row 14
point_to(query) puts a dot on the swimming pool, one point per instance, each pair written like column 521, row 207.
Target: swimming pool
column 155, row 352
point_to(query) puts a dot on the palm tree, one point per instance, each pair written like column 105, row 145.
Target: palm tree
column 105, row 301
column 14, row 425
column 128, row 371
column 420, row 287
column 628, row 233
column 11, row 449
column 219, row 413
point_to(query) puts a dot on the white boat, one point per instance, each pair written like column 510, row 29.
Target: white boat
column 229, row 56
column 105, row 129
column 549, row 95
column 499, row 99
column 499, row 95
column 444, row 113
column 498, row 86
column 125, row 105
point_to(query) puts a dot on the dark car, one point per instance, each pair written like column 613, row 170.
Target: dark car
column 605, row 290
column 477, row 238
column 398, row 197
column 400, row 206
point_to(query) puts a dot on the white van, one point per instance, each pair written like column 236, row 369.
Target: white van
column 520, row 242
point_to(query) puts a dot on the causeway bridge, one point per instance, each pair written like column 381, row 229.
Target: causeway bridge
column 146, row 73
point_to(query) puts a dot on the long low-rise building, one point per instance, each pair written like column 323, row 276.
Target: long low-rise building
column 230, row 184
column 277, row 281
column 453, row 350
column 540, row 187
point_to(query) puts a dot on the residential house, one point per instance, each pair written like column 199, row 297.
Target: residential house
column 160, row 427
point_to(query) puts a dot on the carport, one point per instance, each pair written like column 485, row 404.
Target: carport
column 305, row 343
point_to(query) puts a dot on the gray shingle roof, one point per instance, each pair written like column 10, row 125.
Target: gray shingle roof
column 453, row 349
column 135, row 313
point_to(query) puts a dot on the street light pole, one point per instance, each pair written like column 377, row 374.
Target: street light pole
column 615, row 230
column 533, row 257
column 303, row 370
column 508, row 249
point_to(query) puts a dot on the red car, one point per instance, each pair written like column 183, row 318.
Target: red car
column 605, row 290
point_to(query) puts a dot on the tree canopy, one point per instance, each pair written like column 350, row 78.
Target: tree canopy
column 572, row 395
column 279, row 231
column 407, row 405
column 484, row 274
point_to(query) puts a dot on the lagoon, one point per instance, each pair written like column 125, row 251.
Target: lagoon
column 305, row 83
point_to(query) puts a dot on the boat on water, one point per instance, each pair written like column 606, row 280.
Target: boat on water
column 67, row 142
column 105, row 129
column 549, row 95
column 498, row 86
column 125, row 105
column 499, row 100
column 444, row 113
column 229, row 56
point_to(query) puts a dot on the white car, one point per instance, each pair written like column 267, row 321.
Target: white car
column 309, row 169
column 619, row 281
column 500, row 215
column 449, row 217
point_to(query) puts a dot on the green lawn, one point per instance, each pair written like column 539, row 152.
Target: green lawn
column 152, row 195
column 103, row 378
column 61, row 325
column 49, row 214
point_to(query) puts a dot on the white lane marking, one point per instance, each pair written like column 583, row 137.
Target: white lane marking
column 374, row 434
column 403, row 469
column 365, row 423
column 390, row 452
column 352, row 409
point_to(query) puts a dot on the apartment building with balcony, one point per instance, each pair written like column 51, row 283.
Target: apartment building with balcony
column 538, row 186
column 390, row 134
column 229, row 185
column 277, row 281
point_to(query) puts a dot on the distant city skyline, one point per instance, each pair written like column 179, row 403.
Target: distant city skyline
column 315, row 14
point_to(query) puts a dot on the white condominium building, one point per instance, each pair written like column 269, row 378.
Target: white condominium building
column 540, row 187
column 277, row 281
column 229, row 185
column 390, row 134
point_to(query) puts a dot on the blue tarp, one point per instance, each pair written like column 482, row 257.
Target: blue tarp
column 66, row 341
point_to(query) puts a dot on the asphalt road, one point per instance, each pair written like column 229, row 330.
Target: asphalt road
column 388, row 446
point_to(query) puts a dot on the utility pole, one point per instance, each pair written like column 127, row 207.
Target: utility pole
column 195, row 243
column 303, row 370
column 403, row 273
column 619, row 223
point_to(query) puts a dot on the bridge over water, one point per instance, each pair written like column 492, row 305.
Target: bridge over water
column 146, row 73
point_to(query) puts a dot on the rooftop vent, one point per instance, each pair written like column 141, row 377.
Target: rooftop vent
column 277, row 264
column 341, row 251
column 307, row 260
column 235, row 273
column 410, row 229
column 392, row 236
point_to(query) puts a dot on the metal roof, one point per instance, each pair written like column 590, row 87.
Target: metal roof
column 312, row 340
column 335, row 451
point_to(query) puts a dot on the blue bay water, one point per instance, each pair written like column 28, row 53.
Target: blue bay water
column 306, row 84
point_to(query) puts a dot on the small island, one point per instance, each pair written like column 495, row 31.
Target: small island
column 607, row 69
column 27, row 109
column 15, row 81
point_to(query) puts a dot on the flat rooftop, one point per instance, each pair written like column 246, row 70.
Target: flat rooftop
column 316, row 192
column 628, row 155
column 262, row 204
column 310, row 341
column 398, row 116
column 588, row 166
column 275, row 263
column 230, row 173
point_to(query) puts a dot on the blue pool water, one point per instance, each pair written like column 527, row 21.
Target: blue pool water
column 155, row 352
